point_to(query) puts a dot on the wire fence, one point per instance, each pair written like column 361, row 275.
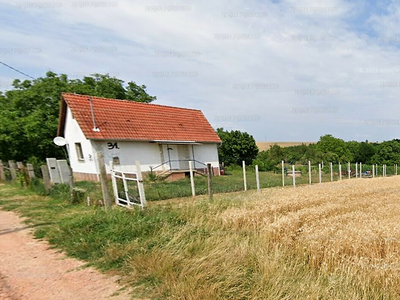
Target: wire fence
column 235, row 179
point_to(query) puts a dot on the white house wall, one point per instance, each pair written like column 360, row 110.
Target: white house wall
column 206, row 153
column 73, row 134
column 128, row 152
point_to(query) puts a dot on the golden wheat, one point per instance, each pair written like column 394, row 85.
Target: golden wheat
column 337, row 240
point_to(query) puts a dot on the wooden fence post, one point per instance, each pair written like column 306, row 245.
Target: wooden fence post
column 13, row 170
column 2, row 174
column 103, row 180
column 309, row 172
column 283, row 173
column 331, row 169
column 209, row 181
column 340, row 171
column 140, row 184
column 373, row 171
column 46, row 177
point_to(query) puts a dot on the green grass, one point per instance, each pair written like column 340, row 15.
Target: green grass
column 186, row 250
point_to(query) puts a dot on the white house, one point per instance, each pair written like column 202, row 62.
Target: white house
column 163, row 138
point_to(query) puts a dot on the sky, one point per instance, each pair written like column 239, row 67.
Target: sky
column 290, row 70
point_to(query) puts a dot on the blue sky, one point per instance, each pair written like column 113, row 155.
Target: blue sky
column 280, row 70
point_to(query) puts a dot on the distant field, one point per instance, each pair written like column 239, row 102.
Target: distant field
column 262, row 146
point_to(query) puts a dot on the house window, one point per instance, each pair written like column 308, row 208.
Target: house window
column 79, row 152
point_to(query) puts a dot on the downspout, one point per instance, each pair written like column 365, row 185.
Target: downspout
column 169, row 157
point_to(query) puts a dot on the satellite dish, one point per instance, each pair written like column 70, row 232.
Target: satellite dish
column 59, row 141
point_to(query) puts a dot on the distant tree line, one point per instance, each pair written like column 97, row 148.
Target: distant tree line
column 330, row 149
column 29, row 111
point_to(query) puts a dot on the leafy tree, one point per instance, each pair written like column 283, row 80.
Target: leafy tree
column 388, row 153
column 365, row 152
column 268, row 160
column 236, row 147
column 335, row 150
column 29, row 112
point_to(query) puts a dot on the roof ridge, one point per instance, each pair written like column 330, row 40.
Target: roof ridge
column 131, row 101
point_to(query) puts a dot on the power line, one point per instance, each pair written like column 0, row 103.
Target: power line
column 16, row 70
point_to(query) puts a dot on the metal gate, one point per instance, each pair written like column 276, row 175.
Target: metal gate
column 128, row 188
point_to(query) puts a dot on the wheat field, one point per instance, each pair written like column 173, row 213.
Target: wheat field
column 338, row 240
column 263, row 146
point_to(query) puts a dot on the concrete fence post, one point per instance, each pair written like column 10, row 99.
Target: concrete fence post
column 257, row 179
column 244, row 175
column 46, row 177
column 192, row 178
column 31, row 171
column 2, row 173
column 319, row 173
column 294, row 175
column 356, row 170
column 349, row 169
column 13, row 169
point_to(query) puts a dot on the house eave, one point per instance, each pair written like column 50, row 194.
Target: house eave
column 161, row 142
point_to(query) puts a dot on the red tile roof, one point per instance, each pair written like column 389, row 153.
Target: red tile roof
column 128, row 120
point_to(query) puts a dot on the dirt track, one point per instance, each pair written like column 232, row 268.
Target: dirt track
column 30, row 270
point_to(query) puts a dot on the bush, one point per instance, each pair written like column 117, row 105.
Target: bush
column 38, row 187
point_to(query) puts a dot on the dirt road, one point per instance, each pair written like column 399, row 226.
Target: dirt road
column 30, row 270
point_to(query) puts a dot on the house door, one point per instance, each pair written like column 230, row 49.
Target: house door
column 172, row 156
column 184, row 156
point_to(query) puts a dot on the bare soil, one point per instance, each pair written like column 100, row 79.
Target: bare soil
column 29, row 269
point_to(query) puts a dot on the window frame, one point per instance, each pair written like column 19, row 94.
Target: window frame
column 79, row 152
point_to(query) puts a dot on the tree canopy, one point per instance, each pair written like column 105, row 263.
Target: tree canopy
column 331, row 149
column 236, row 147
column 29, row 111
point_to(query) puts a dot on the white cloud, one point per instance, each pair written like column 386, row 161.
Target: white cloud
column 236, row 59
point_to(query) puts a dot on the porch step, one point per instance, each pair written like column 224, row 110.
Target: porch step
column 168, row 173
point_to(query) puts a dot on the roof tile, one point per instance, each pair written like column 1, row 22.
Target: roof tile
column 129, row 120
